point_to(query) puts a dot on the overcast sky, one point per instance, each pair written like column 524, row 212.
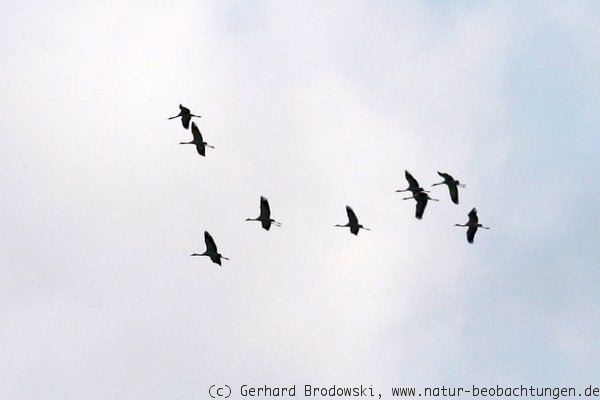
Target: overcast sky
column 315, row 105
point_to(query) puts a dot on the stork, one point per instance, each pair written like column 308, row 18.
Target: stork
column 201, row 145
column 413, row 184
column 422, row 198
column 186, row 116
column 211, row 250
column 453, row 185
column 352, row 222
column 265, row 215
column 473, row 225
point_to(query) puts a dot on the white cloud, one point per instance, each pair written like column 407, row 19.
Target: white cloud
column 315, row 106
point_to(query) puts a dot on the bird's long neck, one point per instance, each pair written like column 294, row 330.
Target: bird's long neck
column 192, row 142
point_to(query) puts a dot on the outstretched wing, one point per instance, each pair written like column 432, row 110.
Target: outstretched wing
column 471, row 233
column 198, row 140
column 473, row 219
column 185, row 120
column 453, row 192
column 211, row 247
column 265, row 210
column 412, row 182
column 445, row 176
column 351, row 216
column 421, row 204
column 196, row 133
column 201, row 148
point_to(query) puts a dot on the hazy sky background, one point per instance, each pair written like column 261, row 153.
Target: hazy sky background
column 315, row 105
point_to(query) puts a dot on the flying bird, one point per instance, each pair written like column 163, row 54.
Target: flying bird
column 265, row 215
column 422, row 198
column 352, row 222
column 473, row 224
column 453, row 185
column 413, row 184
column 186, row 116
column 201, row 145
column 211, row 250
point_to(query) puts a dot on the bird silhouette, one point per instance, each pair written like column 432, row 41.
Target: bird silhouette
column 453, row 185
column 473, row 225
column 413, row 184
column 352, row 222
column 422, row 198
column 186, row 116
column 265, row 215
column 211, row 250
column 201, row 145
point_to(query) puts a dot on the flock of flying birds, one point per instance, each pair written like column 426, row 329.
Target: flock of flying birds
column 420, row 195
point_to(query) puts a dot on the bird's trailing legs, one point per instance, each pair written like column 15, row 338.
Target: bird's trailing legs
column 276, row 223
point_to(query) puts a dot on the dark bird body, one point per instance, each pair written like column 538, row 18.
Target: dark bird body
column 352, row 222
column 201, row 145
column 453, row 185
column 421, row 198
column 265, row 215
column 211, row 250
column 413, row 184
column 473, row 225
column 186, row 116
